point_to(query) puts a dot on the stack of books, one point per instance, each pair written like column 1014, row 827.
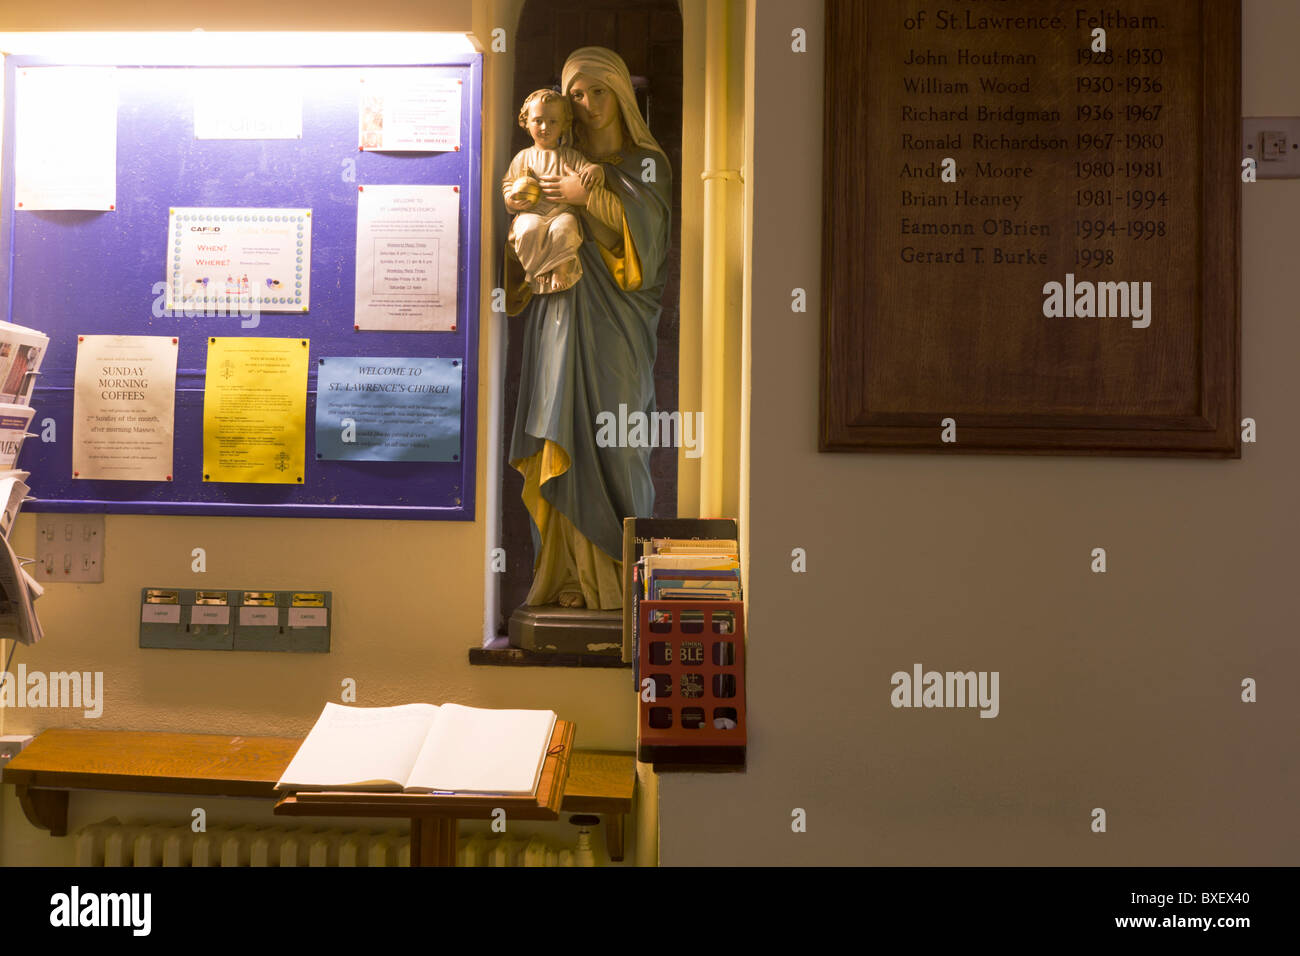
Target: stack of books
column 690, row 569
column 21, row 352
column 676, row 559
column 686, row 624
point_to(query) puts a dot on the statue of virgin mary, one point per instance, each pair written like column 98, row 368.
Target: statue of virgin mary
column 591, row 348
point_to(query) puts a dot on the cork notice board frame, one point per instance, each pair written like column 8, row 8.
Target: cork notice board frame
column 1069, row 282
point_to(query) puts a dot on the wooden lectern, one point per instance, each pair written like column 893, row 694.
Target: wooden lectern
column 433, row 816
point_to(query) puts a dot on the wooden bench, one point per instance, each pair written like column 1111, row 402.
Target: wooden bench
column 60, row 761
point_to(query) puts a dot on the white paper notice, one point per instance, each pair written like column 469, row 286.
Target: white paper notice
column 248, row 104
column 124, row 407
column 410, row 110
column 65, row 138
column 407, row 258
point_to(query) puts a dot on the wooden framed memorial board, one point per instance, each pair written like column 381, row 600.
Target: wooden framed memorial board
column 1031, row 245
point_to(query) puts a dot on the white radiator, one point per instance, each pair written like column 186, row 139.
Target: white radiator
column 483, row 850
column 117, row 844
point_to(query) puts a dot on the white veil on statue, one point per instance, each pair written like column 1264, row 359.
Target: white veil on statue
column 608, row 67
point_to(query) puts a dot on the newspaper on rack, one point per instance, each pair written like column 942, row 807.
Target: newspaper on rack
column 14, row 420
column 13, row 492
column 21, row 352
column 18, row 619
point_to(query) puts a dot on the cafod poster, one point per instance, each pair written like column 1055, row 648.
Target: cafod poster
column 241, row 260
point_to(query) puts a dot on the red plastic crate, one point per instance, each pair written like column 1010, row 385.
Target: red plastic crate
column 699, row 677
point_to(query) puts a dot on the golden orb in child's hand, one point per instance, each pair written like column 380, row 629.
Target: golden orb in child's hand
column 525, row 189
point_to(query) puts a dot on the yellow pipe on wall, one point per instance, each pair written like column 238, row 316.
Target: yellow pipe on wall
column 713, row 317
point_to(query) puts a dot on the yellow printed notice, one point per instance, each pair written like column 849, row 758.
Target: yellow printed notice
column 255, row 410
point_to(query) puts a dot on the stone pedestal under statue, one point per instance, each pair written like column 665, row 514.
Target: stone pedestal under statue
column 567, row 630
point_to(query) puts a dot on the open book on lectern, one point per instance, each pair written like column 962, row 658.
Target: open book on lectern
column 423, row 748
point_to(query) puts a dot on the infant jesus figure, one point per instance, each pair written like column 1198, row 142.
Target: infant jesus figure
column 546, row 235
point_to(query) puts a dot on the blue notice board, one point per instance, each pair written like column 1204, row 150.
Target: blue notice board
column 70, row 273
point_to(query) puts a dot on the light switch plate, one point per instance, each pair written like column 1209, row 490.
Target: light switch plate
column 11, row 745
column 1274, row 143
column 69, row 548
